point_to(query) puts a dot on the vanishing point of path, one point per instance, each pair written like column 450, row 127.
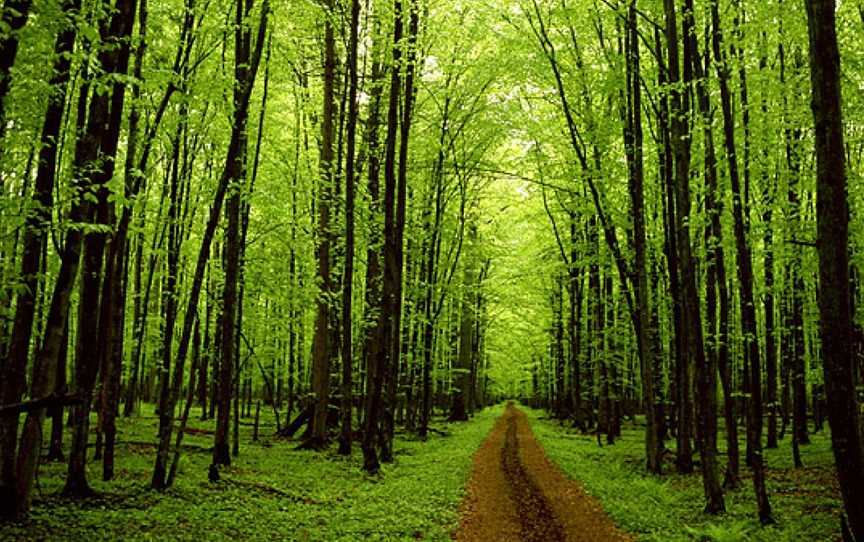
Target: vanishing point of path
column 517, row 494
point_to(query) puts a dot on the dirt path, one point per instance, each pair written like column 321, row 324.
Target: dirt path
column 517, row 494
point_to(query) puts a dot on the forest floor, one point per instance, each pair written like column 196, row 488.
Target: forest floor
column 271, row 491
column 805, row 501
column 521, row 484
column 517, row 494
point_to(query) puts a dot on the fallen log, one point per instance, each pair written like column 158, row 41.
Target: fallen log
column 289, row 430
column 53, row 400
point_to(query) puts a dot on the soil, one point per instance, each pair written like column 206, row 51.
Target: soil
column 516, row 493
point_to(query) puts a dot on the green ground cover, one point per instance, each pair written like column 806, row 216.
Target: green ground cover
column 271, row 492
column 669, row 508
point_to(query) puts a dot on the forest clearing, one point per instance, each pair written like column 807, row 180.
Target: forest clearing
column 432, row 269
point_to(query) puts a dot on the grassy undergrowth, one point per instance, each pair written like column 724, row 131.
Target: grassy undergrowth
column 271, row 492
column 805, row 501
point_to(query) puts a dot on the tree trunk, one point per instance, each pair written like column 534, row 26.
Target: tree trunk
column 348, row 274
column 12, row 384
column 690, row 330
column 832, row 213
column 745, row 279
column 645, row 335
column 14, row 17
column 104, row 123
column 394, row 255
column 378, row 345
column 706, row 367
column 321, row 349
column 55, row 450
column 98, row 145
column 462, row 378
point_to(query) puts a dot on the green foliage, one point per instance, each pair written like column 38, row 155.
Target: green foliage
column 271, row 491
column 806, row 501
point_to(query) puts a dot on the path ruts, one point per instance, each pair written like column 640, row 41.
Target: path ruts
column 516, row 494
column 537, row 521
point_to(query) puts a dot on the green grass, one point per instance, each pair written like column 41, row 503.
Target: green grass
column 271, row 492
column 669, row 508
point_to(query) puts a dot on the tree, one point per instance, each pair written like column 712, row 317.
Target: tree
column 322, row 349
column 35, row 239
column 462, row 379
column 745, row 280
column 348, row 287
column 832, row 213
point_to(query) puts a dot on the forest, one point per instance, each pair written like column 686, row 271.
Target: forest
column 473, row 270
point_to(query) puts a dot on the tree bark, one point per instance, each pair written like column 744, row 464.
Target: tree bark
column 103, row 132
column 235, row 177
column 633, row 136
column 378, row 344
column 462, row 378
column 832, row 213
column 348, row 274
column 745, row 279
column 13, row 17
column 321, row 348
column 12, row 384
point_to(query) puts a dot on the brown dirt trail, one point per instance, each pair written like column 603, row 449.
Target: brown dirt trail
column 516, row 494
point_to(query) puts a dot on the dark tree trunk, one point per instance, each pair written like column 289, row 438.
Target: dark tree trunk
column 14, row 17
column 165, row 407
column 348, row 274
column 646, row 337
column 394, row 252
column 560, row 405
column 96, row 145
column 55, row 449
column 462, row 378
column 377, row 345
column 691, row 335
column 235, row 171
column 744, row 263
column 12, row 384
column 832, row 213
column 706, row 365
column 206, row 353
column 104, row 123
column 607, row 368
column 574, row 323
column 768, row 305
column 431, row 310
column 322, row 347
column 666, row 168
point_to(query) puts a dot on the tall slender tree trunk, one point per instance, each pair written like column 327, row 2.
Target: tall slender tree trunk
column 832, row 213
column 690, row 330
column 378, row 344
column 170, row 301
column 348, row 275
column 235, row 171
column 428, row 272
column 745, row 279
column 13, row 17
column 104, row 123
column 97, row 145
column 13, row 382
column 321, row 348
column 644, row 334
column 462, row 378
column 396, row 252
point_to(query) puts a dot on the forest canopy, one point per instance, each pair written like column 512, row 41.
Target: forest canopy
column 359, row 215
